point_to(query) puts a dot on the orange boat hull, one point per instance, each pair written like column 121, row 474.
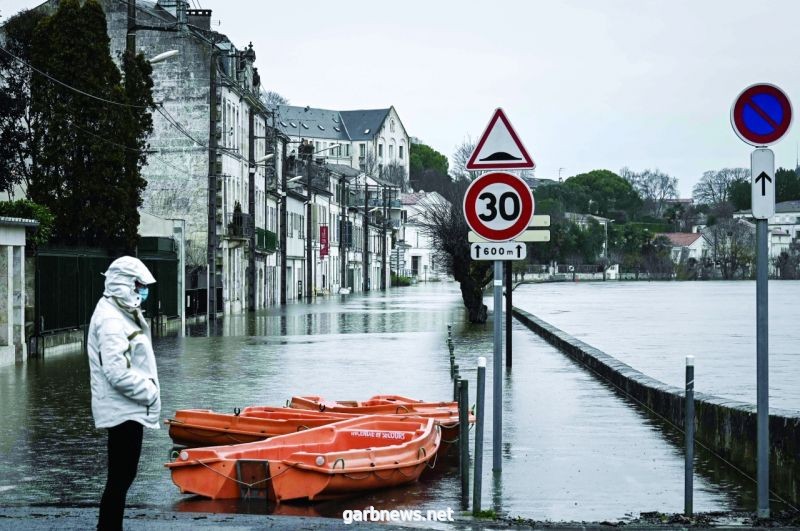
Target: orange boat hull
column 445, row 413
column 340, row 459
column 203, row 427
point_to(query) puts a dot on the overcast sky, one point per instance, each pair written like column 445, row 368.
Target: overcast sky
column 586, row 84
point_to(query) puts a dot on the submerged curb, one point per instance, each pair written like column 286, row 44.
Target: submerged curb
column 726, row 426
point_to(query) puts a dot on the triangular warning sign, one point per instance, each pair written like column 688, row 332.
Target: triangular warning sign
column 499, row 147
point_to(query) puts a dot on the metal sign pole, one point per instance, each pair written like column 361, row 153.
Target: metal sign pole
column 762, row 369
column 497, row 367
column 762, row 169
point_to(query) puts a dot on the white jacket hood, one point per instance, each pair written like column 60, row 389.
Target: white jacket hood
column 121, row 278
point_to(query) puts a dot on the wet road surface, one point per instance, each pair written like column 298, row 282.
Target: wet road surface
column 573, row 449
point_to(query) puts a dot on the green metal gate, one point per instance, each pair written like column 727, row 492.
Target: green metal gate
column 69, row 282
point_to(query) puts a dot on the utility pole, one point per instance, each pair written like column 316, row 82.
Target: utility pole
column 251, row 207
column 383, row 244
column 310, row 259
column 283, row 207
column 343, row 199
column 365, row 253
column 212, row 187
column 130, row 39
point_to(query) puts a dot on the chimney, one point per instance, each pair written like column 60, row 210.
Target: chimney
column 200, row 18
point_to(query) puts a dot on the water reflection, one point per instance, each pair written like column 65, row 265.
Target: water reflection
column 573, row 449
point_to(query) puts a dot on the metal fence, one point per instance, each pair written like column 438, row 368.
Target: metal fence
column 68, row 284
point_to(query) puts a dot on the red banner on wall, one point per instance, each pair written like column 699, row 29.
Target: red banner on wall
column 323, row 240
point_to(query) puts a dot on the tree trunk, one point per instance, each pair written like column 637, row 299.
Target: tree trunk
column 472, row 295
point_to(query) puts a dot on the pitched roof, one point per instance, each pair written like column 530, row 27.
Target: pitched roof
column 412, row 198
column 310, row 122
column 325, row 123
column 363, row 124
column 681, row 239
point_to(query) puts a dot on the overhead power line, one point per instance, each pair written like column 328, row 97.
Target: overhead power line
column 70, row 87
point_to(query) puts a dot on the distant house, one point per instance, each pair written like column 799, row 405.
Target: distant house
column 413, row 254
column 686, row 246
column 784, row 226
column 372, row 140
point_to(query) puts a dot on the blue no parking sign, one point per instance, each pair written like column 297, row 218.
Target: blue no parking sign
column 761, row 115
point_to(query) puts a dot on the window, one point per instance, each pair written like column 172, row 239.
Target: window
column 391, row 126
column 391, row 151
column 362, row 150
column 400, row 152
column 347, row 150
column 380, row 150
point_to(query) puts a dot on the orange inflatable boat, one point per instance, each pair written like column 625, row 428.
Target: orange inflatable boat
column 445, row 413
column 203, row 427
column 340, row 459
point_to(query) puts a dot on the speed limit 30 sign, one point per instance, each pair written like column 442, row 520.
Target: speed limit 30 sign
column 498, row 206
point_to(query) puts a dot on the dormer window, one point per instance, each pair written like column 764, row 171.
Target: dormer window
column 283, row 123
column 366, row 131
column 304, row 125
column 321, row 128
column 293, row 124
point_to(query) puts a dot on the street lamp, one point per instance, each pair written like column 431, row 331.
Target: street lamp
column 163, row 56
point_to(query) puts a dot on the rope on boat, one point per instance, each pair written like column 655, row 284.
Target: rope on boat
column 244, row 483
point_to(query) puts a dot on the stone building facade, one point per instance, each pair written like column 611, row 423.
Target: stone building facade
column 209, row 129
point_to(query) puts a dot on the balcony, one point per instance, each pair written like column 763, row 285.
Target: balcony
column 266, row 241
column 238, row 226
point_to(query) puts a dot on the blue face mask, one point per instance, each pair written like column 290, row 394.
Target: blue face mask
column 143, row 293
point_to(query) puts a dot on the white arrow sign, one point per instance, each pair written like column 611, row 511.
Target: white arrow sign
column 762, row 171
column 498, row 251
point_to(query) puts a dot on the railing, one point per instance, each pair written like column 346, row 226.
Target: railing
column 238, row 225
column 266, row 240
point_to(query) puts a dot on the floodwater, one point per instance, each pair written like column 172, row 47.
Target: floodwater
column 572, row 448
column 653, row 326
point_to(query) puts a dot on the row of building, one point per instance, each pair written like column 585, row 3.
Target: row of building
column 700, row 244
column 269, row 203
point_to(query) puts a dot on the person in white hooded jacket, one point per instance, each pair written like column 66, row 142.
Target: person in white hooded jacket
column 124, row 379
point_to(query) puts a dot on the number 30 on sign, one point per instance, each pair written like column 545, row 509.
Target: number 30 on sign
column 498, row 206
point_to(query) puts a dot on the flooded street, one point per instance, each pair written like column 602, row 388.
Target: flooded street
column 652, row 326
column 573, row 449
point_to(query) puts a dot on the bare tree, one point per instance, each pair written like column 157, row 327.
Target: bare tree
column 460, row 159
column 395, row 173
column 369, row 164
column 654, row 187
column 272, row 99
column 714, row 187
column 732, row 245
column 444, row 223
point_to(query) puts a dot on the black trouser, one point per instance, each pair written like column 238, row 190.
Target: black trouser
column 124, row 447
